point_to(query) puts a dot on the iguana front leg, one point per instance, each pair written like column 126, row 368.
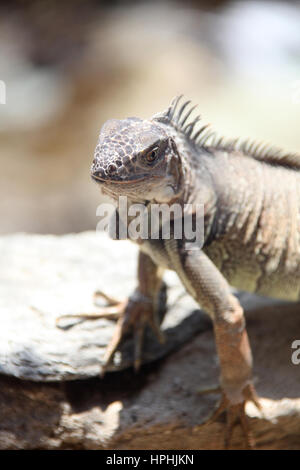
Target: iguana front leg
column 139, row 310
column 207, row 285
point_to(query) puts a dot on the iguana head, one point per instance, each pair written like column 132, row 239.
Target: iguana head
column 137, row 158
column 148, row 160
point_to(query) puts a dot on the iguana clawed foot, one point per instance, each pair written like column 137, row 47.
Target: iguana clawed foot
column 235, row 414
column 137, row 312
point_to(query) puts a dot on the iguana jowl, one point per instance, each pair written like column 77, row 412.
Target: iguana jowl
column 251, row 198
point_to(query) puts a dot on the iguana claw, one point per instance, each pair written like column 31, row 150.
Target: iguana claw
column 235, row 413
column 136, row 312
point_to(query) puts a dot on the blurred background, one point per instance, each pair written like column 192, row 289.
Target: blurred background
column 66, row 67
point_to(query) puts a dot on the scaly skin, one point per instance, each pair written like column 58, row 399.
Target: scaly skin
column 251, row 198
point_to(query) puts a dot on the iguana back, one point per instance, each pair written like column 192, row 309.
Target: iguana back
column 254, row 237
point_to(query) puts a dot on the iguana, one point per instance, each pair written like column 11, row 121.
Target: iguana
column 251, row 198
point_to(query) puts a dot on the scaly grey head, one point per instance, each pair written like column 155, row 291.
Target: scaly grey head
column 137, row 158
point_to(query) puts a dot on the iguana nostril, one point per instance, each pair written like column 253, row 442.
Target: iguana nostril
column 97, row 172
column 111, row 169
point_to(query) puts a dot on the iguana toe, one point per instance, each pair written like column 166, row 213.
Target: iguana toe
column 235, row 414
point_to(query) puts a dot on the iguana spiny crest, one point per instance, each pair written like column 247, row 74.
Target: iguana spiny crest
column 207, row 139
column 145, row 159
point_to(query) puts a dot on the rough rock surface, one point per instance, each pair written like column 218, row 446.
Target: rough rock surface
column 42, row 277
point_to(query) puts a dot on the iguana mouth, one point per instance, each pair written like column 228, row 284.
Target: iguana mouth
column 120, row 181
column 129, row 180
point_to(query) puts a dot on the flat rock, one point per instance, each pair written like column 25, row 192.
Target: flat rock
column 43, row 277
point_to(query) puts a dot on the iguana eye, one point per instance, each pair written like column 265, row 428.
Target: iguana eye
column 152, row 155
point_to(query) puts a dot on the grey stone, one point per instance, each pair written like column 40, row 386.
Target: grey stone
column 45, row 276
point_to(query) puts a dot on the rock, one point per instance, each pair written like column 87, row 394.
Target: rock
column 43, row 277
column 159, row 408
